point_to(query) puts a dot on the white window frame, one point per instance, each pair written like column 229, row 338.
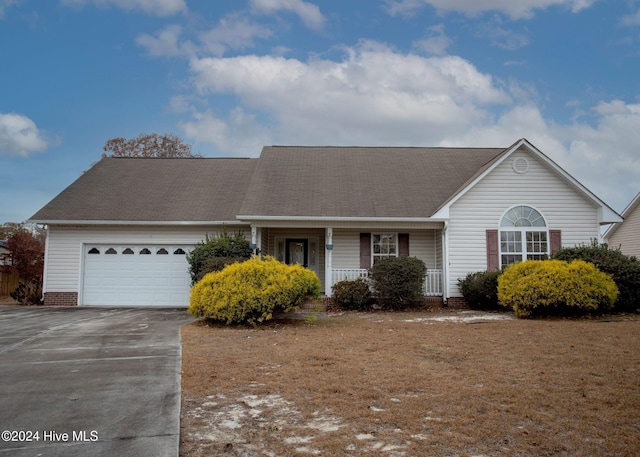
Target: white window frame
column 394, row 235
column 518, row 240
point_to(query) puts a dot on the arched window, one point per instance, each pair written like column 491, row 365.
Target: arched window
column 162, row 251
column 179, row 251
column 128, row 251
column 523, row 235
column 145, row 251
column 111, row 251
column 94, row 251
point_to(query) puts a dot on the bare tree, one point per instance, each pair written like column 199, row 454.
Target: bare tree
column 149, row 145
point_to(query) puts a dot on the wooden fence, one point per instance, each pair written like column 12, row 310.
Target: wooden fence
column 8, row 281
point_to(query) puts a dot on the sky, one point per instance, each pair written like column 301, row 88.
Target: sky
column 230, row 77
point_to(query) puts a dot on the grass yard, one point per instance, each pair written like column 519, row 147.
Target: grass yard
column 445, row 383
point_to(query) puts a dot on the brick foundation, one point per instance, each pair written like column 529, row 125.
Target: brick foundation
column 61, row 298
column 457, row 303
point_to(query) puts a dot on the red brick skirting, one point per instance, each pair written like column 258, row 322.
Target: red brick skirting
column 61, row 298
column 457, row 303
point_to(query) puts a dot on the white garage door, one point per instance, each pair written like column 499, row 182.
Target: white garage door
column 142, row 275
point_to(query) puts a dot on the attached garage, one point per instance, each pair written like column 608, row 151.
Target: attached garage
column 136, row 275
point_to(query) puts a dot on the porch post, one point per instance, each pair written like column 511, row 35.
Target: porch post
column 255, row 239
column 328, row 260
column 445, row 262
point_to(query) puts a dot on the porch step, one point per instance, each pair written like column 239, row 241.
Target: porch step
column 318, row 305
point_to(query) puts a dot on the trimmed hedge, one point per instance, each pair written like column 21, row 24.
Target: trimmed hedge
column 352, row 295
column 252, row 291
column 480, row 290
column 398, row 282
column 624, row 270
column 554, row 287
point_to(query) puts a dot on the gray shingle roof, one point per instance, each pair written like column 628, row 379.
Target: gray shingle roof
column 286, row 181
column 359, row 181
column 137, row 189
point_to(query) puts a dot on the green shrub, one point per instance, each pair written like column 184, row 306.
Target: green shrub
column 480, row 290
column 353, row 295
column 232, row 247
column 554, row 287
column 213, row 264
column 624, row 270
column 251, row 291
column 398, row 282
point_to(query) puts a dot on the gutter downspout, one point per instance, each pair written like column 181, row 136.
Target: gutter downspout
column 44, row 230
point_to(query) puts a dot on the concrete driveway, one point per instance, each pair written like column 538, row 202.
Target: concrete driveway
column 85, row 381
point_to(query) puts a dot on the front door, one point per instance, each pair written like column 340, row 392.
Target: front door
column 297, row 251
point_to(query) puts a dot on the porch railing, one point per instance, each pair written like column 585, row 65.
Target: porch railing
column 432, row 283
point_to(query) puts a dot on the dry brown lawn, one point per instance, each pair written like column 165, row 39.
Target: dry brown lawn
column 447, row 383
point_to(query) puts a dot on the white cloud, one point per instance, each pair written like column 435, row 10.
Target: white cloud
column 166, row 43
column 631, row 19
column 155, row 7
column 233, row 32
column 516, row 9
column 502, row 37
column 308, row 12
column 19, row 135
column 436, row 42
column 372, row 96
column 239, row 135
column 5, row 5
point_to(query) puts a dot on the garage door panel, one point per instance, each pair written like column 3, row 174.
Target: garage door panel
column 122, row 279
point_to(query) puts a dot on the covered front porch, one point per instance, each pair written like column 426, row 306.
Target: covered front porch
column 346, row 251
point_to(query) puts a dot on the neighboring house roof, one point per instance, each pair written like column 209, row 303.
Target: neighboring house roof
column 358, row 182
column 153, row 190
column 631, row 207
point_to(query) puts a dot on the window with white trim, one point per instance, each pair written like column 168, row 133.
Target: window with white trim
column 523, row 236
column 383, row 245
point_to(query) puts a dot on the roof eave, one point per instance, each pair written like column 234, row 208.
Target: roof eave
column 625, row 213
column 124, row 222
column 337, row 218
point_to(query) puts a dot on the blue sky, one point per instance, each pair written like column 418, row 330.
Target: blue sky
column 232, row 76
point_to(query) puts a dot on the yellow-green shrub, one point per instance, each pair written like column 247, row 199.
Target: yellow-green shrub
column 252, row 291
column 555, row 287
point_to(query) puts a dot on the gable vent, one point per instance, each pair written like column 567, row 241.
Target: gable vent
column 520, row 165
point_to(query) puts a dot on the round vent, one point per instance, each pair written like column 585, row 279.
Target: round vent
column 520, row 165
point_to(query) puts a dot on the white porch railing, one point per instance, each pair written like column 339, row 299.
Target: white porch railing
column 348, row 274
column 432, row 282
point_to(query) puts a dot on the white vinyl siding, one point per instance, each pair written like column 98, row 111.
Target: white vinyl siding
column 627, row 235
column 423, row 244
column 65, row 247
column 482, row 207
